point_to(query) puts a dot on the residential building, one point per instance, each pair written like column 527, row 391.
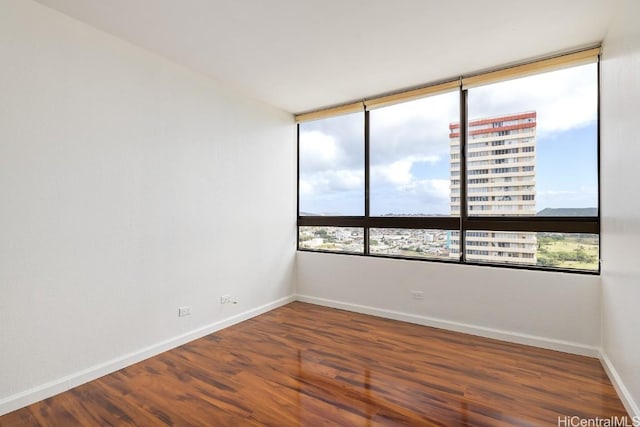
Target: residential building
column 501, row 174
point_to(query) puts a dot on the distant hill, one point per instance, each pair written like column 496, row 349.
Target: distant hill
column 568, row 212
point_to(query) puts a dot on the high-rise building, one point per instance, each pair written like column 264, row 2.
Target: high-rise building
column 501, row 181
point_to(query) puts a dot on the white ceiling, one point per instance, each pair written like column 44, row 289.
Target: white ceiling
column 301, row 55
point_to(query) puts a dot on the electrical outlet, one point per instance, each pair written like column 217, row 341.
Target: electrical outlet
column 184, row 311
column 225, row 299
column 417, row 294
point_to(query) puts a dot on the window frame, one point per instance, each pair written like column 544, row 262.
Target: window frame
column 463, row 222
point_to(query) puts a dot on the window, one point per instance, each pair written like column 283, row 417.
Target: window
column 478, row 172
column 477, row 153
column 410, row 157
column 556, row 114
column 558, row 250
column 335, row 239
column 477, row 234
column 400, row 179
column 504, row 170
column 406, row 242
column 332, row 166
column 479, row 181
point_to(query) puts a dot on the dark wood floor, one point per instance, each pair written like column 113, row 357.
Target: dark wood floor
column 305, row 365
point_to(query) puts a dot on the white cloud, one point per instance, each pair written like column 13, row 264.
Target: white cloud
column 305, row 187
column 417, row 129
column 347, row 179
column 436, row 109
column 427, row 159
column 330, row 181
column 563, row 100
column 320, row 150
column 439, row 187
column 429, row 188
column 397, row 173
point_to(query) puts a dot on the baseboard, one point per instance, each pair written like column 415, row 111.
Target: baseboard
column 514, row 337
column 628, row 402
column 36, row 394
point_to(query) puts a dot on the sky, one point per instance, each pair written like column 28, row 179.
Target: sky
column 410, row 147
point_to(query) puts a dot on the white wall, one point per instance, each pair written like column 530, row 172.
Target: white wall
column 129, row 186
column 620, row 146
column 554, row 310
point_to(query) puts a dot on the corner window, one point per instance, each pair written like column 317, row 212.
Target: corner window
column 499, row 169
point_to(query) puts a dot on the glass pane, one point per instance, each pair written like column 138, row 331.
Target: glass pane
column 410, row 159
column 410, row 243
column 532, row 145
column 561, row 250
column 334, row 239
column 565, row 250
column 332, row 166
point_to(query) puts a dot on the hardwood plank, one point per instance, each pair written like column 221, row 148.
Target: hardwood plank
column 306, row 365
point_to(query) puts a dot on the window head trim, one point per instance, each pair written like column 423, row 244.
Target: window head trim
column 582, row 57
column 355, row 107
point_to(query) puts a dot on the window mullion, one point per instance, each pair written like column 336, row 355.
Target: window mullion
column 463, row 174
column 366, row 181
column 298, row 182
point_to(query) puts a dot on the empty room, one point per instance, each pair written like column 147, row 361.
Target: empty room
column 306, row 213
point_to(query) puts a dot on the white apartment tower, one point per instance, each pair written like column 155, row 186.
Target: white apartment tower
column 501, row 176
